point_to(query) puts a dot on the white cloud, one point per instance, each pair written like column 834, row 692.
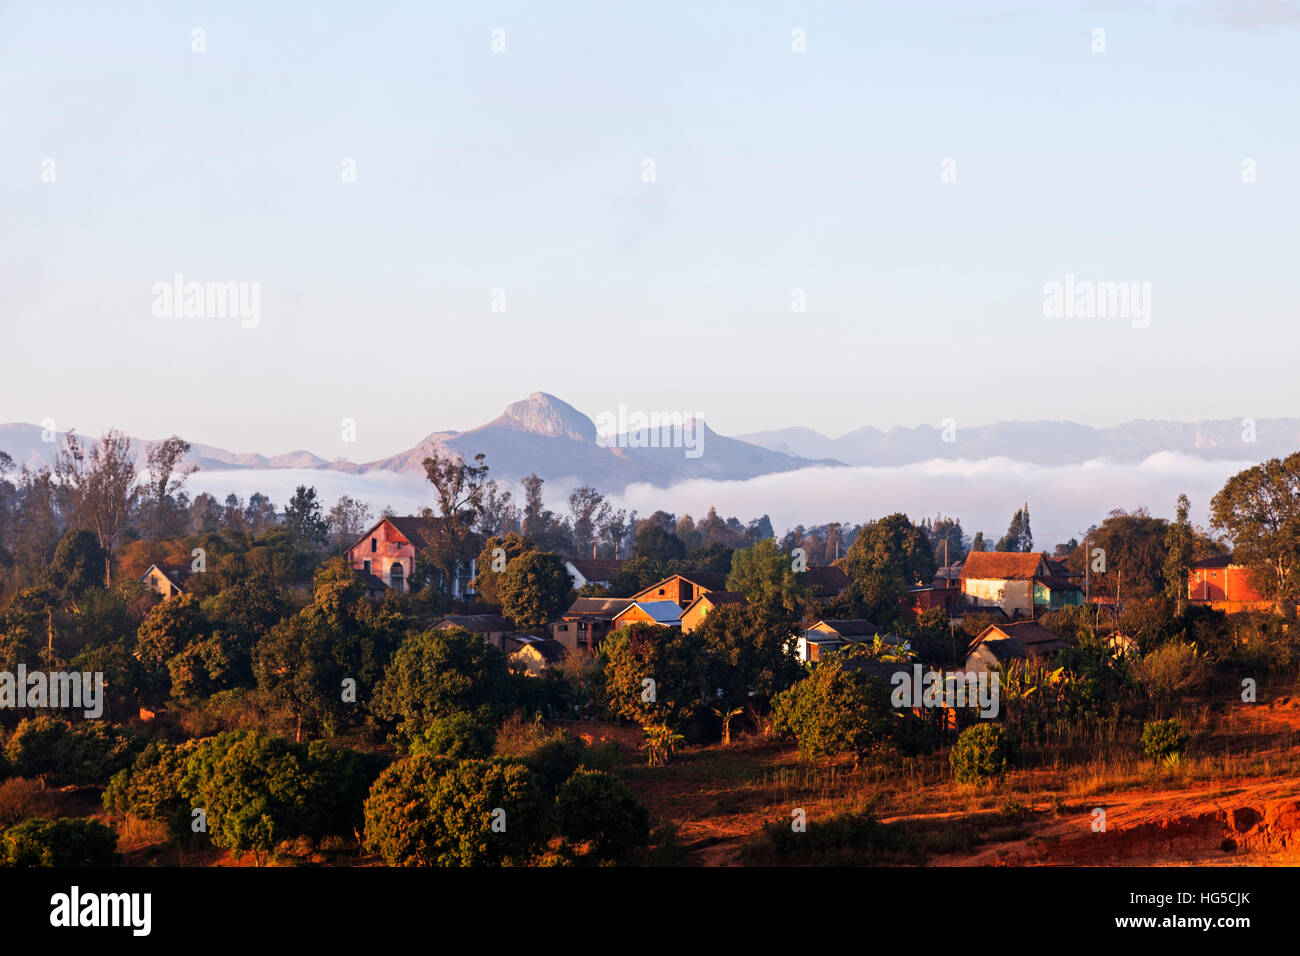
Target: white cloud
column 1063, row 499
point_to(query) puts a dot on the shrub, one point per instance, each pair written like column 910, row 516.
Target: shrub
column 151, row 788
column 64, row 842
column 429, row 811
column 833, row 712
column 1162, row 739
column 21, row 798
column 459, row 736
column 983, row 753
column 598, row 808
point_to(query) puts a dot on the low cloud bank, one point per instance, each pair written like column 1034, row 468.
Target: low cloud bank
column 1063, row 499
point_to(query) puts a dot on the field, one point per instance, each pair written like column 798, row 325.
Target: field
column 1233, row 800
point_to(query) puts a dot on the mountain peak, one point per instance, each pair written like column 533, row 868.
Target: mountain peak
column 548, row 416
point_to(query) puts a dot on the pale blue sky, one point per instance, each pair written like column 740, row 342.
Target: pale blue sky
column 523, row 170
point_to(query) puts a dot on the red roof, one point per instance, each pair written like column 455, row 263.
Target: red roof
column 1000, row 565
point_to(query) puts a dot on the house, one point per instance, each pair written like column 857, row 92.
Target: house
column 828, row 636
column 999, row 644
column 1225, row 586
column 600, row 571
column 826, row 581
column 374, row 586
column 1051, row 593
column 501, row 632
column 1003, row 579
column 664, row 613
column 536, row 655
column 696, row 611
column 926, row 596
column 166, row 579
column 389, row 549
column 587, row 621
column 683, row 588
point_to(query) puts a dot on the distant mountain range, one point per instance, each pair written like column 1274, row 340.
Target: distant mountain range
column 545, row 435
column 1044, row 443
column 540, row 434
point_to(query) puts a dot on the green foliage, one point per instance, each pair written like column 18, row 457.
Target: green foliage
column 1173, row 671
column 62, row 842
column 1163, row 738
column 1259, row 508
column 765, row 575
column 535, row 588
column 886, row 558
column 261, row 790
column 440, row 673
column 487, row 579
column 340, row 635
column 78, row 564
column 672, row 661
column 427, row 811
column 598, row 808
column 834, row 712
column 983, row 754
column 458, row 736
column 151, row 788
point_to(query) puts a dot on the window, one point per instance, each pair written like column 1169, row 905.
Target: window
column 366, row 564
column 374, row 545
column 395, row 576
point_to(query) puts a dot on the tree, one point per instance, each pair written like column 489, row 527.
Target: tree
column 1259, row 508
column 747, row 656
column 347, row 520
column 1018, row 536
column 168, row 628
column 887, row 557
column 100, row 488
column 671, row 661
column 487, row 579
column 303, row 518
column 260, row 790
column 658, row 544
column 766, row 577
column 535, row 589
column 440, row 673
column 340, row 635
column 78, row 564
column 597, row 808
column 834, row 712
column 1180, row 540
column 982, row 754
column 459, row 736
column 166, row 478
column 978, row 543
column 459, row 486
column 59, row 843
column 590, row 512
column 499, row 515
column 428, row 811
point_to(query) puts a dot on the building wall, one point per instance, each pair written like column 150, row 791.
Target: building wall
column 1014, row 597
column 695, row 616
column 1231, row 584
column 633, row 615
column 683, row 592
column 389, row 548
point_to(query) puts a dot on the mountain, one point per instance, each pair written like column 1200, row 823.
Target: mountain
column 540, row 434
column 545, row 435
column 548, row 436
column 1045, row 443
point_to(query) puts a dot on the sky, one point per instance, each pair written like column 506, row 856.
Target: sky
column 518, row 177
